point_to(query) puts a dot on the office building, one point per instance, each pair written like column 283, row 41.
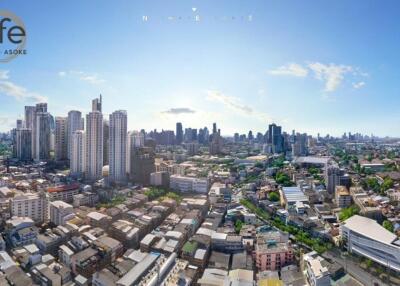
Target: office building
column 142, row 165
column 192, row 148
column 366, row 238
column 24, row 144
column 335, row 177
column 300, row 146
column 94, row 143
column 135, row 139
column 19, row 123
column 97, row 104
column 40, row 107
column 42, row 134
column 13, row 134
column 106, row 142
column 29, row 116
column 117, row 151
column 159, row 179
column 74, row 122
column 165, row 137
column 275, row 138
column 216, row 142
column 179, row 133
column 61, row 144
column 77, row 160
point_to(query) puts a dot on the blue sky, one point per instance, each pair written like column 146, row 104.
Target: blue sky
column 313, row 66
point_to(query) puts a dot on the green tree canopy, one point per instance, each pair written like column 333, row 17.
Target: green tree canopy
column 273, row 196
column 388, row 225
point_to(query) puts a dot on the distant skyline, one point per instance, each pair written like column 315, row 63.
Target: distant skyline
column 313, row 66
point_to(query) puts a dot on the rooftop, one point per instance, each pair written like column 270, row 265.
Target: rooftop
column 371, row 229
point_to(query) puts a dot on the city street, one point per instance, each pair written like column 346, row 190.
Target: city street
column 353, row 269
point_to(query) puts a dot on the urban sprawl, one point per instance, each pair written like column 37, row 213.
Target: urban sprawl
column 84, row 201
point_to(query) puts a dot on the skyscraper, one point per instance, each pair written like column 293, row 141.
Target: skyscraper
column 97, row 104
column 41, row 133
column 216, row 141
column 61, row 146
column 14, row 142
column 117, row 151
column 106, row 141
column 299, row 147
column 41, row 107
column 135, row 139
column 275, row 138
column 74, row 122
column 77, row 160
column 19, row 123
column 24, row 144
column 142, row 165
column 94, row 143
column 29, row 116
column 179, row 133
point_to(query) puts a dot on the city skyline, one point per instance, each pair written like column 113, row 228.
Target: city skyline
column 245, row 74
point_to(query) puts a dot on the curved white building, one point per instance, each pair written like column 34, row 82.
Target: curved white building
column 365, row 237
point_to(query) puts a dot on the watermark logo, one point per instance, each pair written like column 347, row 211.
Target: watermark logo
column 12, row 36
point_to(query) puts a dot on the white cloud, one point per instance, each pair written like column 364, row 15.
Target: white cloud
column 235, row 104
column 358, row 85
column 91, row 78
column 291, row 69
column 331, row 74
column 20, row 93
column 179, row 110
column 229, row 101
column 4, row 74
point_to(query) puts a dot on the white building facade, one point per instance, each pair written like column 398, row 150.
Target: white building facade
column 118, row 141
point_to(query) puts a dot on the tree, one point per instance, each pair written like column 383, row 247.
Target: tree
column 348, row 212
column 238, row 225
column 259, row 165
column 313, row 170
column 283, row 179
column 387, row 184
column 273, row 196
column 371, row 183
column 388, row 225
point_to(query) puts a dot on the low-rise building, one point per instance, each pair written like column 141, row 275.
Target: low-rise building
column 272, row 251
column 189, row 184
column 342, row 197
column 60, row 212
column 316, row 272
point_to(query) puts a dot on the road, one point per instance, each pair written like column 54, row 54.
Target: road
column 353, row 269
